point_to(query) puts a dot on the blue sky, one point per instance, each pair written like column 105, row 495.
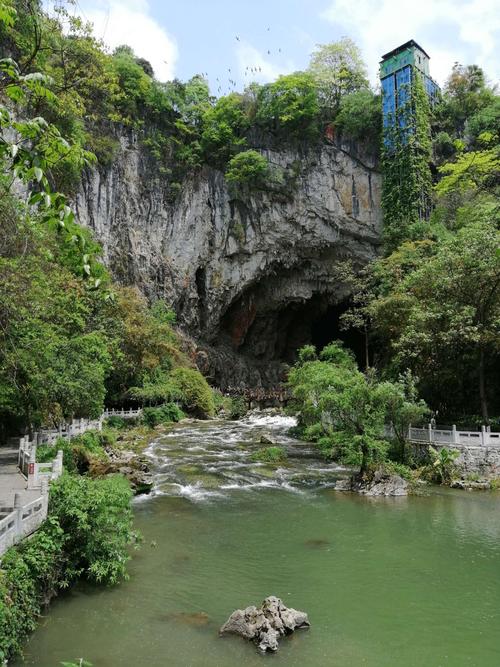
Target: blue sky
column 185, row 37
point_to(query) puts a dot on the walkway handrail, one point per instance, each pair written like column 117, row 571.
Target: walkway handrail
column 36, row 472
column 433, row 435
column 23, row 520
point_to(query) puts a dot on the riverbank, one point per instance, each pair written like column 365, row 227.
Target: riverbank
column 384, row 580
column 200, row 462
column 86, row 535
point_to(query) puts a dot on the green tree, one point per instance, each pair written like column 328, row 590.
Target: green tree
column 290, row 106
column 248, row 168
column 51, row 366
column 442, row 319
column 359, row 117
column 465, row 93
column 348, row 410
column 338, row 70
column 224, row 125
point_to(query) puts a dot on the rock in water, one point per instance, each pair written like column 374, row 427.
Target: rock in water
column 266, row 624
column 381, row 483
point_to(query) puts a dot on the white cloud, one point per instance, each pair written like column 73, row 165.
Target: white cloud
column 465, row 27
column 129, row 22
column 250, row 57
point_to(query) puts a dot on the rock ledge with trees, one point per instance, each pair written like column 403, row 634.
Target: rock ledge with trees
column 381, row 483
column 266, row 624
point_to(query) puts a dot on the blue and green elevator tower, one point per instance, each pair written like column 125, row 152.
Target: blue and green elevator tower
column 408, row 94
column 398, row 71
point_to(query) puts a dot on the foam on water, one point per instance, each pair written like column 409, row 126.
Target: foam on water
column 203, row 461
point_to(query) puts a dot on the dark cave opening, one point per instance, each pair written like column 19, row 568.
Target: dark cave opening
column 326, row 327
column 276, row 335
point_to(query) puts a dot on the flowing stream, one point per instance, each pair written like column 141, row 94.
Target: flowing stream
column 403, row 582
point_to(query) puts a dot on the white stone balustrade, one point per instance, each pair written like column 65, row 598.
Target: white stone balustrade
column 23, row 520
column 454, row 436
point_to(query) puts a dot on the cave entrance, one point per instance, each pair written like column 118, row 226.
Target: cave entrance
column 326, row 327
column 276, row 335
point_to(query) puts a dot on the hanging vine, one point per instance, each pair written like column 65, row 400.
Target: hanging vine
column 406, row 157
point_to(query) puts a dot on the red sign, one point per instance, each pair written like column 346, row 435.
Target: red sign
column 31, row 468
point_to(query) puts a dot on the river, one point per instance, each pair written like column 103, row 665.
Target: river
column 402, row 582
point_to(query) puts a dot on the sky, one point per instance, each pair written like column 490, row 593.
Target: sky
column 226, row 39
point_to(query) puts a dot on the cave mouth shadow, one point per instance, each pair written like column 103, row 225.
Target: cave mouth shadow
column 276, row 335
column 325, row 326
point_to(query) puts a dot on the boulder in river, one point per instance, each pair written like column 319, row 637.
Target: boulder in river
column 266, row 624
column 266, row 440
column 381, row 483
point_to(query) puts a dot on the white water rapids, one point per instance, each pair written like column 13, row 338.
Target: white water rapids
column 203, row 460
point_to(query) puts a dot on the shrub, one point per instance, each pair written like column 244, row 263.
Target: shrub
column 116, row 422
column 270, row 455
column 96, row 518
column 399, row 469
column 195, row 394
column 163, row 414
column 222, row 403
column 30, row 575
column 248, row 168
column 79, row 452
column 239, row 407
column 442, row 468
column 86, row 534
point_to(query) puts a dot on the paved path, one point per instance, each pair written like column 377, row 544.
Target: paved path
column 11, row 480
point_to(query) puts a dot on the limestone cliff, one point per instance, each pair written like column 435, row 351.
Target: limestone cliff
column 247, row 271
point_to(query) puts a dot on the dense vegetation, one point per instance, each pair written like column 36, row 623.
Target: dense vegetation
column 430, row 305
column 86, row 535
column 70, row 339
column 346, row 411
column 434, row 305
column 93, row 93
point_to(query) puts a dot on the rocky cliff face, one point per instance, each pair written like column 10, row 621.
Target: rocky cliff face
column 249, row 272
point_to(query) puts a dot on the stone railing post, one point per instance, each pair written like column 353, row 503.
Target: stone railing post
column 484, row 435
column 454, row 435
column 45, row 495
column 430, row 432
column 32, row 476
column 18, row 507
column 57, row 466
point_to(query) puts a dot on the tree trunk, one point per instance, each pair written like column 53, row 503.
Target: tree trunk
column 364, row 460
column 367, row 352
column 482, row 389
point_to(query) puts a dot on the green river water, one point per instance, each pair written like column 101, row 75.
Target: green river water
column 397, row 582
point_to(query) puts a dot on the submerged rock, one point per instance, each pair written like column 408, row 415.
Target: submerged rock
column 266, row 624
column 317, row 544
column 471, row 485
column 196, row 619
column 266, row 440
